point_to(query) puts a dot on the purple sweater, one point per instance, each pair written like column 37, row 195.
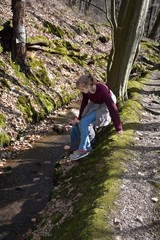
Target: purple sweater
column 102, row 95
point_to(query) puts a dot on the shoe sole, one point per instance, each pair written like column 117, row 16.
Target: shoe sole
column 80, row 156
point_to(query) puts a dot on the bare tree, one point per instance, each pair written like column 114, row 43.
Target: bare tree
column 155, row 32
column 126, row 35
column 154, row 8
column 19, row 33
column 71, row 3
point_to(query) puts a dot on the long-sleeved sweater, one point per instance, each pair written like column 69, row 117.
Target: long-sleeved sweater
column 102, row 95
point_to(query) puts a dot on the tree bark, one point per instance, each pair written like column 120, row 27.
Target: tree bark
column 127, row 37
column 155, row 32
column 151, row 16
column 19, row 32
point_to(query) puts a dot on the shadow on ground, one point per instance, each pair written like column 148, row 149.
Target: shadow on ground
column 26, row 184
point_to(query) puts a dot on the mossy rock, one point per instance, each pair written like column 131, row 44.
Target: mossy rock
column 103, row 39
column 25, row 106
column 1, row 48
column 56, row 30
column 72, row 46
column 39, row 74
column 47, row 102
column 81, row 26
column 4, row 139
column 38, row 39
column 5, row 84
column 2, row 121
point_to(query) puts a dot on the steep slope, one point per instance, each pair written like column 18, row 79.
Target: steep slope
column 61, row 46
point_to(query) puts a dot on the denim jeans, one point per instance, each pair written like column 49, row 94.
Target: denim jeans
column 83, row 126
column 75, row 136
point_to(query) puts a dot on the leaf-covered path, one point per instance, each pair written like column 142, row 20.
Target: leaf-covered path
column 138, row 208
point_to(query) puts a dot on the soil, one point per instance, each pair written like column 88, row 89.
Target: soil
column 138, row 210
column 25, row 185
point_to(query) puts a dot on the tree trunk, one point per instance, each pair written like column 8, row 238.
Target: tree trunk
column 19, row 33
column 151, row 16
column 155, row 32
column 128, row 34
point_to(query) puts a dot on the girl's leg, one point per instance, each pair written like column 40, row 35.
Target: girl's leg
column 83, row 125
column 75, row 137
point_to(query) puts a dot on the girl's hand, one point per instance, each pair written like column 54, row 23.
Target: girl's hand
column 67, row 147
column 67, row 127
column 120, row 132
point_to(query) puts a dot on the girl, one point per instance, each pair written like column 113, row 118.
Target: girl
column 98, row 107
column 73, row 128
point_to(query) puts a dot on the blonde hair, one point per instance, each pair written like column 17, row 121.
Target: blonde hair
column 72, row 114
column 85, row 80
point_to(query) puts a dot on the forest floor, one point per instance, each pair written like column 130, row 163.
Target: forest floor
column 138, row 207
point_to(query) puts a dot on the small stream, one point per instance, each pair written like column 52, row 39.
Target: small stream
column 27, row 182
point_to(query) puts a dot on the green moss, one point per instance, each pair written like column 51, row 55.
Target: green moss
column 21, row 78
column 71, row 46
column 51, row 28
column 43, row 76
column 26, row 108
column 150, row 53
column 100, row 59
column 82, row 26
column 2, row 121
column 70, row 33
column 39, row 75
column 60, row 50
column 47, row 102
column 1, row 48
column 2, row 64
column 88, row 42
column 1, row 27
column 5, row 84
column 67, row 96
column 37, row 39
column 81, row 59
column 4, row 139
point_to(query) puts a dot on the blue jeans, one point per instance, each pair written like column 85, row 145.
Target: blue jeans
column 83, row 126
column 75, row 136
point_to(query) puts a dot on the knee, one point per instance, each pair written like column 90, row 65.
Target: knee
column 82, row 123
column 74, row 130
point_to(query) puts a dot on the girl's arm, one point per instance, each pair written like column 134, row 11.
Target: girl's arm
column 113, row 110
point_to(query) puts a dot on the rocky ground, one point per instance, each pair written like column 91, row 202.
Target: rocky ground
column 138, row 207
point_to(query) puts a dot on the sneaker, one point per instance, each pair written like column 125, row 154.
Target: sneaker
column 78, row 154
column 89, row 149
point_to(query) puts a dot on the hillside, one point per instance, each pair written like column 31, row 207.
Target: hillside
column 60, row 48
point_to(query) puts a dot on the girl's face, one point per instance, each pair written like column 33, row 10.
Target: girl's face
column 73, row 121
column 84, row 88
